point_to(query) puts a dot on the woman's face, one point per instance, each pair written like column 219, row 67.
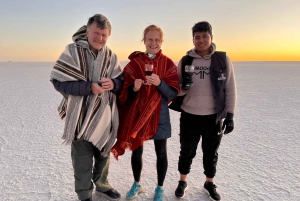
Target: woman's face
column 153, row 41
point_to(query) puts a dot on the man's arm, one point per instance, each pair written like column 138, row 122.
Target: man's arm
column 230, row 88
column 230, row 98
column 75, row 88
column 118, row 83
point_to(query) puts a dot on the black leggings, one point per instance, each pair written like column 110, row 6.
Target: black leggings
column 161, row 161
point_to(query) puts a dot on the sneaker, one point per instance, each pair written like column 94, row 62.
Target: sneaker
column 111, row 194
column 134, row 191
column 181, row 188
column 159, row 193
column 210, row 189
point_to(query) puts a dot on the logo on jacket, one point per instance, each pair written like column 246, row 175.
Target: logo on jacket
column 202, row 70
column 222, row 77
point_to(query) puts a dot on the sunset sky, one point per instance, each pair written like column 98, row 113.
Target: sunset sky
column 248, row 30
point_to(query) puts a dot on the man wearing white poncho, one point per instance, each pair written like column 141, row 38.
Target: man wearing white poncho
column 89, row 105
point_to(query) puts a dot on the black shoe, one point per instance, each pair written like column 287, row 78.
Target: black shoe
column 181, row 188
column 89, row 199
column 210, row 189
column 111, row 194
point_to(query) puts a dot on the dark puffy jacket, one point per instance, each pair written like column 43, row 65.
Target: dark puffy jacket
column 82, row 88
column 164, row 125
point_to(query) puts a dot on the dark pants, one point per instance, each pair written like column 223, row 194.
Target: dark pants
column 161, row 161
column 192, row 127
column 83, row 153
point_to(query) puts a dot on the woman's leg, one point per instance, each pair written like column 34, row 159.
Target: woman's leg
column 162, row 160
column 137, row 163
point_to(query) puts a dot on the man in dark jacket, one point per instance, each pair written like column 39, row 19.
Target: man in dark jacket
column 89, row 76
column 210, row 96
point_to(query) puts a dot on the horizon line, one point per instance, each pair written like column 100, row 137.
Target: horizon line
column 9, row 61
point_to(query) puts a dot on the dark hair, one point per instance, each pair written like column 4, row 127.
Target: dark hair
column 101, row 20
column 202, row 27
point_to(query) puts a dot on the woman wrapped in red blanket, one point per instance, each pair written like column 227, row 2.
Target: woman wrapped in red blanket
column 143, row 108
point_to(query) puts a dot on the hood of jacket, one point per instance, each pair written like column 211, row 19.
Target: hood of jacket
column 80, row 38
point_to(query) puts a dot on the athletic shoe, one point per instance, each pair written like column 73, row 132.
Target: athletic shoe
column 159, row 193
column 111, row 194
column 181, row 188
column 210, row 189
column 134, row 191
column 89, row 199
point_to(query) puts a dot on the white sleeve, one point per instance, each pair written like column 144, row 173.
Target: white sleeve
column 230, row 87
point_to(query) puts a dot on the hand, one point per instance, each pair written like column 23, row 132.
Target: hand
column 153, row 79
column 228, row 123
column 186, row 83
column 107, row 84
column 96, row 89
column 137, row 84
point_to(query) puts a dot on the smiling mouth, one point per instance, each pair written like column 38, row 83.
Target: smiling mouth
column 99, row 42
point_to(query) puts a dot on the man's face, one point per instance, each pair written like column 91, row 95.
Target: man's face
column 153, row 41
column 97, row 37
column 202, row 42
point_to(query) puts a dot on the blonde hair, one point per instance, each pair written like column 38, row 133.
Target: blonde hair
column 153, row 27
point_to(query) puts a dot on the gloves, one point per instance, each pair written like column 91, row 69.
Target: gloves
column 186, row 83
column 228, row 123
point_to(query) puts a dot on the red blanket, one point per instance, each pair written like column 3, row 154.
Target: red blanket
column 139, row 116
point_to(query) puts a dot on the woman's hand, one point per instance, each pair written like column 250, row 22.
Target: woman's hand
column 137, row 84
column 153, row 79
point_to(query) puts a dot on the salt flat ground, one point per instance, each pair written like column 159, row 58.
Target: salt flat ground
column 260, row 160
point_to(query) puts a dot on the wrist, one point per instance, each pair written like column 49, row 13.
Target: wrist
column 159, row 83
column 229, row 116
column 113, row 83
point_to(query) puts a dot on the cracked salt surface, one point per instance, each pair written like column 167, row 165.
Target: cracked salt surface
column 258, row 161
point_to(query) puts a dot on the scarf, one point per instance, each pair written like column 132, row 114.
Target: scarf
column 93, row 118
column 139, row 116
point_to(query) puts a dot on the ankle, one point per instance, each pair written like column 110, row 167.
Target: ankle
column 211, row 180
column 183, row 177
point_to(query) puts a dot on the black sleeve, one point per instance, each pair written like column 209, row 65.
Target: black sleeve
column 118, row 84
column 75, row 88
column 167, row 91
column 131, row 92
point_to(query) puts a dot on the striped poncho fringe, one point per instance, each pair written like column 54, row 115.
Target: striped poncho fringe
column 98, row 122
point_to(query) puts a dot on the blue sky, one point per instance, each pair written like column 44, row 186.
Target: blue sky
column 35, row 30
